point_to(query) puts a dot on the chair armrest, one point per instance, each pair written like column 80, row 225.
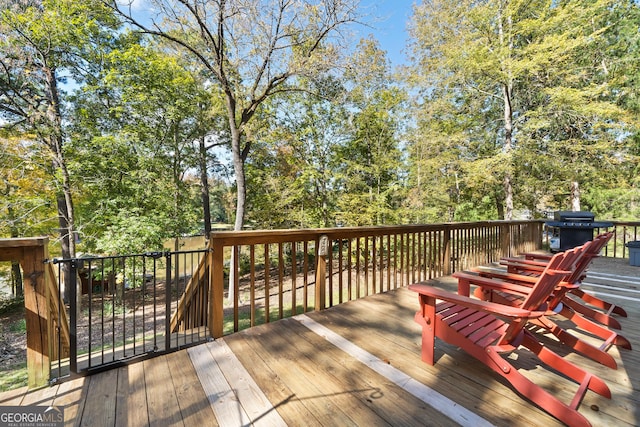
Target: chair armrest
column 524, row 263
column 467, row 279
column 486, row 306
column 537, row 256
column 523, row 267
column 519, row 278
column 510, row 277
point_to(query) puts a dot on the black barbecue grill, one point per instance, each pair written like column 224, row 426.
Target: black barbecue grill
column 573, row 228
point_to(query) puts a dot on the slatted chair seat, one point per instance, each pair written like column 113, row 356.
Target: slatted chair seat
column 487, row 330
column 478, row 327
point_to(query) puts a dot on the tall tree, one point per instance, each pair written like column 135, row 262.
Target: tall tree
column 147, row 118
column 252, row 49
column 25, row 207
column 572, row 119
column 528, row 75
column 370, row 161
column 42, row 42
column 464, row 54
column 330, row 155
column 293, row 170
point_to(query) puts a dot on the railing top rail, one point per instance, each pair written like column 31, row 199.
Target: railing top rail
column 23, row 242
column 630, row 223
column 227, row 238
column 151, row 254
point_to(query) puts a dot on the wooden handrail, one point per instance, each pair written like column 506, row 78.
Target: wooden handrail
column 359, row 261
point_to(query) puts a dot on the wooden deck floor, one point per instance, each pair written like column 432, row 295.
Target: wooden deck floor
column 354, row 364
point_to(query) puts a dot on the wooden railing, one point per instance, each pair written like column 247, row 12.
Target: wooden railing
column 251, row 277
column 624, row 232
column 259, row 276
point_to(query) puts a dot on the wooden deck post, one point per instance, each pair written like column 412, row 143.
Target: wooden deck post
column 32, row 253
column 505, row 233
column 446, row 252
column 322, row 250
column 216, row 292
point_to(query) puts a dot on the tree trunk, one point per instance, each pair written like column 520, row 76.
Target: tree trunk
column 64, row 198
column 204, row 189
column 16, row 272
column 499, row 205
column 16, row 279
column 238, row 168
column 241, row 190
column 239, row 154
column 508, row 135
column 575, row 196
column 507, row 93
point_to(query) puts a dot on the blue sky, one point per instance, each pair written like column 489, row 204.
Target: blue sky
column 389, row 19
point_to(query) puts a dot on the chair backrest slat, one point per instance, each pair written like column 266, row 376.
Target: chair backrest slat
column 591, row 252
column 559, row 267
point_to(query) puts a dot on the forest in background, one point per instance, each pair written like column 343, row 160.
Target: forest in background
column 123, row 127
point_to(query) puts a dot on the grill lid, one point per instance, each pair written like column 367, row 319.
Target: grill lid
column 574, row 216
column 579, row 224
column 576, row 219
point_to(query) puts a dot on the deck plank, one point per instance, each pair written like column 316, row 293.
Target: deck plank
column 278, row 391
column 435, row 402
column 194, row 407
column 384, row 400
column 41, row 397
column 250, row 396
column 71, row 395
column 131, row 401
column 389, row 400
column 100, row 405
column 220, row 394
column 13, row 397
column 305, row 383
column 161, row 397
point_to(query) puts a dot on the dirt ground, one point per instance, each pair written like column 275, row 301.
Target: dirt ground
column 13, row 340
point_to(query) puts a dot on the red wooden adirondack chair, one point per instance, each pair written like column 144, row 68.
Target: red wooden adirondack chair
column 558, row 303
column 532, row 263
column 487, row 331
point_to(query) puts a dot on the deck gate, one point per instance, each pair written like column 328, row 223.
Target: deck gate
column 120, row 308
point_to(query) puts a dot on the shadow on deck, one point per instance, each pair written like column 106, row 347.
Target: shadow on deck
column 354, row 364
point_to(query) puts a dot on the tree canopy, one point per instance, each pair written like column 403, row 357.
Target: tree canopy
column 122, row 128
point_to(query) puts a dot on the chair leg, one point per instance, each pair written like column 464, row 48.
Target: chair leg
column 564, row 366
column 598, row 303
column 428, row 339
